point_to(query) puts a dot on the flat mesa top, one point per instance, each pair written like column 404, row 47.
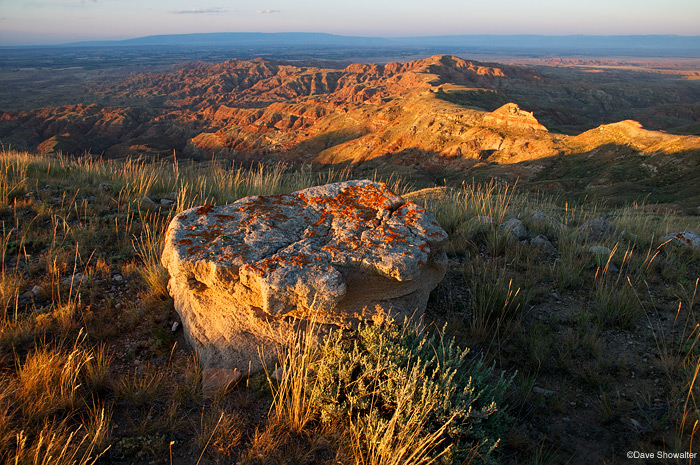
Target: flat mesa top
column 359, row 224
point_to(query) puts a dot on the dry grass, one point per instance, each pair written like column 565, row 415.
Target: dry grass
column 219, row 431
column 293, row 387
column 60, row 445
column 48, row 397
column 149, row 248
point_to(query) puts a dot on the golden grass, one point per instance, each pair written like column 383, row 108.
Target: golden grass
column 219, row 430
column 47, row 394
column 61, row 445
column 293, row 387
column 402, row 439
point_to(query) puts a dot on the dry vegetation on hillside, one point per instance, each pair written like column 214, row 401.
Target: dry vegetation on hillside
column 586, row 356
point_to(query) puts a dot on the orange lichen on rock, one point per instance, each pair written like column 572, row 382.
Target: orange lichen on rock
column 204, row 210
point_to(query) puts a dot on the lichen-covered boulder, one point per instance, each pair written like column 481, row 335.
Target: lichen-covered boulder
column 685, row 238
column 244, row 274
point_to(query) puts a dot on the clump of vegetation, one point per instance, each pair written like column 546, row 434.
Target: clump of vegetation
column 47, row 415
column 409, row 397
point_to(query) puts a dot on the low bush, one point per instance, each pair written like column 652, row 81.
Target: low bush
column 408, row 396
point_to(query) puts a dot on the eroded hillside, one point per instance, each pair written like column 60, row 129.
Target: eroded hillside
column 438, row 117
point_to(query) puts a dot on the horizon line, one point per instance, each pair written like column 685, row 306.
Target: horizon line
column 388, row 39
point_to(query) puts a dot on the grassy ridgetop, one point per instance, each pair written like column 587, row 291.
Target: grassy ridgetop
column 87, row 358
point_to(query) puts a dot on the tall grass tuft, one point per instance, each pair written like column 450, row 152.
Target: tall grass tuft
column 13, row 174
column 497, row 305
column 59, row 444
column 48, row 381
column 294, row 389
column 149, row 248
column 615, row 298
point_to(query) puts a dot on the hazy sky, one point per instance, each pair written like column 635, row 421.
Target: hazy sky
column 56, row 21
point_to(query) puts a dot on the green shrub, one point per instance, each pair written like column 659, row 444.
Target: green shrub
column 409, row 397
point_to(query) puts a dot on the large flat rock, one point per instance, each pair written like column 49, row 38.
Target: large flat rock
column 244, row 275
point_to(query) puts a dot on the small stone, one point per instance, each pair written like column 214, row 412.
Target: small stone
column 278, row 374
column 175, row 326
column 148, row 200
column 515, row 228
column 544, row 221
column 600, row 250
column 546, row 247
column 118, row 278
column 635, row 423
column 166, row 202
column 74, row 280
column 596, row 229
column 36, row 290
column 544, row 392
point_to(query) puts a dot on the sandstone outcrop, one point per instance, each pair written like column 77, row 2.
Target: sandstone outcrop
column 510, row 115
column 244, row 274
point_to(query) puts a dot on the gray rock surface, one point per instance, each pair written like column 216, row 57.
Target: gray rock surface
column 600, row 250
column 544, row 245
column 544, row 221
column 515, row 228
column 686, row 238
column 596, row 229
column 244, row 275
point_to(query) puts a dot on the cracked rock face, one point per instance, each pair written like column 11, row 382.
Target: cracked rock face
column 243, row 275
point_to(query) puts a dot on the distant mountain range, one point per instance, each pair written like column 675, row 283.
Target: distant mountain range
column 585, row 44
